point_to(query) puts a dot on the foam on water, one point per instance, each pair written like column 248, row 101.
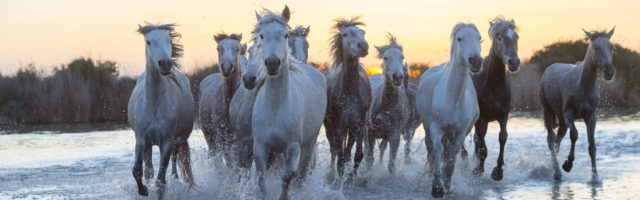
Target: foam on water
column 97, row 165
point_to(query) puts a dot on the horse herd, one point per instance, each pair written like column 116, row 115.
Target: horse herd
column 273, row 103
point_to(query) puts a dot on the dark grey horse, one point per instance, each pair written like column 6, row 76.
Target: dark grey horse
column 348, row 94
column 389, row 107
column 569, row 92
column 216, row 91
column 494, row 91
column 413, row 121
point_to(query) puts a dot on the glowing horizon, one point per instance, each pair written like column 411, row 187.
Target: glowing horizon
column 51, row 33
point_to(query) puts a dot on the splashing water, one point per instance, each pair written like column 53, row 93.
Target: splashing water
column 97, row 165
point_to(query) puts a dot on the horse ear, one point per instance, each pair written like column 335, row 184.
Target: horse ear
column 380, row 51
column 258, row 16
column 217, row 38
column 139, row 28
column 285, row 13
column 611, row 32
column 587, row 33
column 240, row 37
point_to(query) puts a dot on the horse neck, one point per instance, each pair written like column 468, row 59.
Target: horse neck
column 154, row 84
column 277, row 87
column 390, row 93
column 456, row 75
column 588, row 72
column 350, row 73
column 232, row 82
column 495, row 71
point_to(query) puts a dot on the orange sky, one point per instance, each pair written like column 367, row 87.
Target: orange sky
column 50, row 33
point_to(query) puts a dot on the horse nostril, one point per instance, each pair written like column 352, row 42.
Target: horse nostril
column 363, row 45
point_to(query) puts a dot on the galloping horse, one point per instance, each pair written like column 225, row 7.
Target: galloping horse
column 569, row 92
column 349, row 94
column 289, row 107
column 493, row 89
column 216, row 91
column 447, row 103
column 161, row 107
column 389, row 110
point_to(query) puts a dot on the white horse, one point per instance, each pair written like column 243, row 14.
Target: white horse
column 161, row 107
column 216, row 92
column 289, row 108
column 447, row 103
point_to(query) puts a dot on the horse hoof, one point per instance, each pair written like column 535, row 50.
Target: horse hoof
column 437, row 192
column 567, row 166
column 478, row 171
column 496, row 174
column 143, row 191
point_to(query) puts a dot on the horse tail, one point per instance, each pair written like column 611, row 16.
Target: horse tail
column 184, row 161
column 550, row 120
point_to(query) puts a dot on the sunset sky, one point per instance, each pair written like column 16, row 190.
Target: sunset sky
column 51, row 33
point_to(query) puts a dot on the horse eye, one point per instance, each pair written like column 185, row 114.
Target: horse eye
column 385, row 58
column 261, row 37
column 148, row 43
column 344, row 35
column 499, row 38
column 286, row 36
column 459, row 39
column 403, row 57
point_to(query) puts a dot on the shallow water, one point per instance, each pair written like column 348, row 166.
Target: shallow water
column 97, row 165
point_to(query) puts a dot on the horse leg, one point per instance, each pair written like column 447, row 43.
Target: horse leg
column 359, row 133
column 209, row 137
column 562, row 131
column 591, row 126
column 383, row 147
column 291, row 155
column 340, row 148
column 568, row 164
column 549, row 123
column 408, row 136
column 370, row 144
column 166, row 149
column 450, row 153
column 394, row 142
column 306, row 158
column 351, row 140
column 148, row 163
column 174, row 169
column 260, row 153
column 437, row 189
column 496, row 174
column 141, row 146
column 481, row 147
column 429, row 145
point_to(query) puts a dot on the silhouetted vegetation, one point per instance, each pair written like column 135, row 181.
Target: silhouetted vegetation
column 620, row 95
column 82, row 91
column 89, row 91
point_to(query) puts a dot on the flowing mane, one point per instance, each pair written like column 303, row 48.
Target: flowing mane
column 299, row 31
column 336, row 50
column 268, row 16
column 393, row 43
column 501, row 25
column 176, row 48
column 221, row 36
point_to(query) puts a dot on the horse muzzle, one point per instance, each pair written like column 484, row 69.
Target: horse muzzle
column 476, row 63
column 514, row 64
column 609, row 73
column 249, row 81
column 272, row 63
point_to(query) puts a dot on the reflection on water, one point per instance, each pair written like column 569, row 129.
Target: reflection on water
column 97, row 165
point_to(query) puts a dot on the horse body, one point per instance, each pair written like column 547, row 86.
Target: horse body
column 349, row 95
column 570, row 92
column 217, row 91
column 161, row 108
column 447, row 103
column 413, row 120
column 289, row 107
column 494, row 91
column 389, row 109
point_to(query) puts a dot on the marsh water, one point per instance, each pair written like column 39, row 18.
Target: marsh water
column 70, row 163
